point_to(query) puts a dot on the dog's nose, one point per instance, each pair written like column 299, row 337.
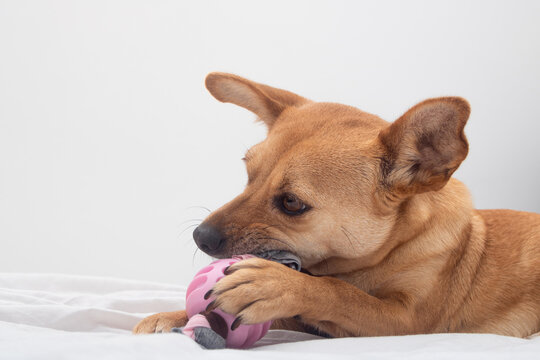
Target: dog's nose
column 208, row 238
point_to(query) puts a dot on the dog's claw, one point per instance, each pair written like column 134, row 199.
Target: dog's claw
column 236, row 323
column 211, row 306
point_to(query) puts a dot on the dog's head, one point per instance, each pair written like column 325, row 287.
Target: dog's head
column 330, row 181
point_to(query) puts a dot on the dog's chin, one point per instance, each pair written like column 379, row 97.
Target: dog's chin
column 283, row 257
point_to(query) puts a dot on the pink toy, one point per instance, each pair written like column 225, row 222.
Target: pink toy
column 198, row 326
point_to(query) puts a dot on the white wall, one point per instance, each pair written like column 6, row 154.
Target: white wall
column 108, row 137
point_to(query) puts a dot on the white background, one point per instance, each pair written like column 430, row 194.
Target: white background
column 108, row 137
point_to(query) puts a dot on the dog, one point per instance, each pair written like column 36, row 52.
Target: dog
column 389, row 241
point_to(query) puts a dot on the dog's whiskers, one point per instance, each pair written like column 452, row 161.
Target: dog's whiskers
column 289, row 247
column 199, row 207
column 186, row 221
column 348, row 235
column 193, row 258
column 186, row 229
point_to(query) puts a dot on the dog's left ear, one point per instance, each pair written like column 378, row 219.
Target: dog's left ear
column 263, row 100
column 425, row 146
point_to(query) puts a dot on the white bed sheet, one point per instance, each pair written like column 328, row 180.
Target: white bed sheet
column 73, row 317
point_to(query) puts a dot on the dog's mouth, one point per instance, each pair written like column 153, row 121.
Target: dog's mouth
column 283, row 257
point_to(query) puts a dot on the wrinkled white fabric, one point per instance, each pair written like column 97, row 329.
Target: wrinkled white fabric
column 74, row 317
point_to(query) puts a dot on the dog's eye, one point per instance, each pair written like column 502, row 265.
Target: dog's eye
column 292, row 205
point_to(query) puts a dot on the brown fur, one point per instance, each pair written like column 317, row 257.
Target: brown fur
column 393, row 243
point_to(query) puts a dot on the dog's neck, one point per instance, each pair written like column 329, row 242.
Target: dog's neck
column 443, row 216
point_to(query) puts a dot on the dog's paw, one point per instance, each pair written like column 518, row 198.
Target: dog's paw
column 161, row 322
column 258, row 290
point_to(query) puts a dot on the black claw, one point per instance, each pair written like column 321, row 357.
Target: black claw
column 208, row 294
column 236, row 323
column 226, row 270
column 211, row 306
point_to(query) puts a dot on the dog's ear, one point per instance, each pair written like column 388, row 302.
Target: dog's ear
column 263, row 100
column 425, row 146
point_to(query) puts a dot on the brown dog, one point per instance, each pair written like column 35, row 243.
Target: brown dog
column 391, row 241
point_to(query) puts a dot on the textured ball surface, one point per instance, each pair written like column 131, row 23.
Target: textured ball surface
column 242, row 337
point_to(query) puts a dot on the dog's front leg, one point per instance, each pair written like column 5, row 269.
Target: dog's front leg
column 161, row 322
column 344, row 310
column 258, row 290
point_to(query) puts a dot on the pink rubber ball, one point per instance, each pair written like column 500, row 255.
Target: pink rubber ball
column 242, row 337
